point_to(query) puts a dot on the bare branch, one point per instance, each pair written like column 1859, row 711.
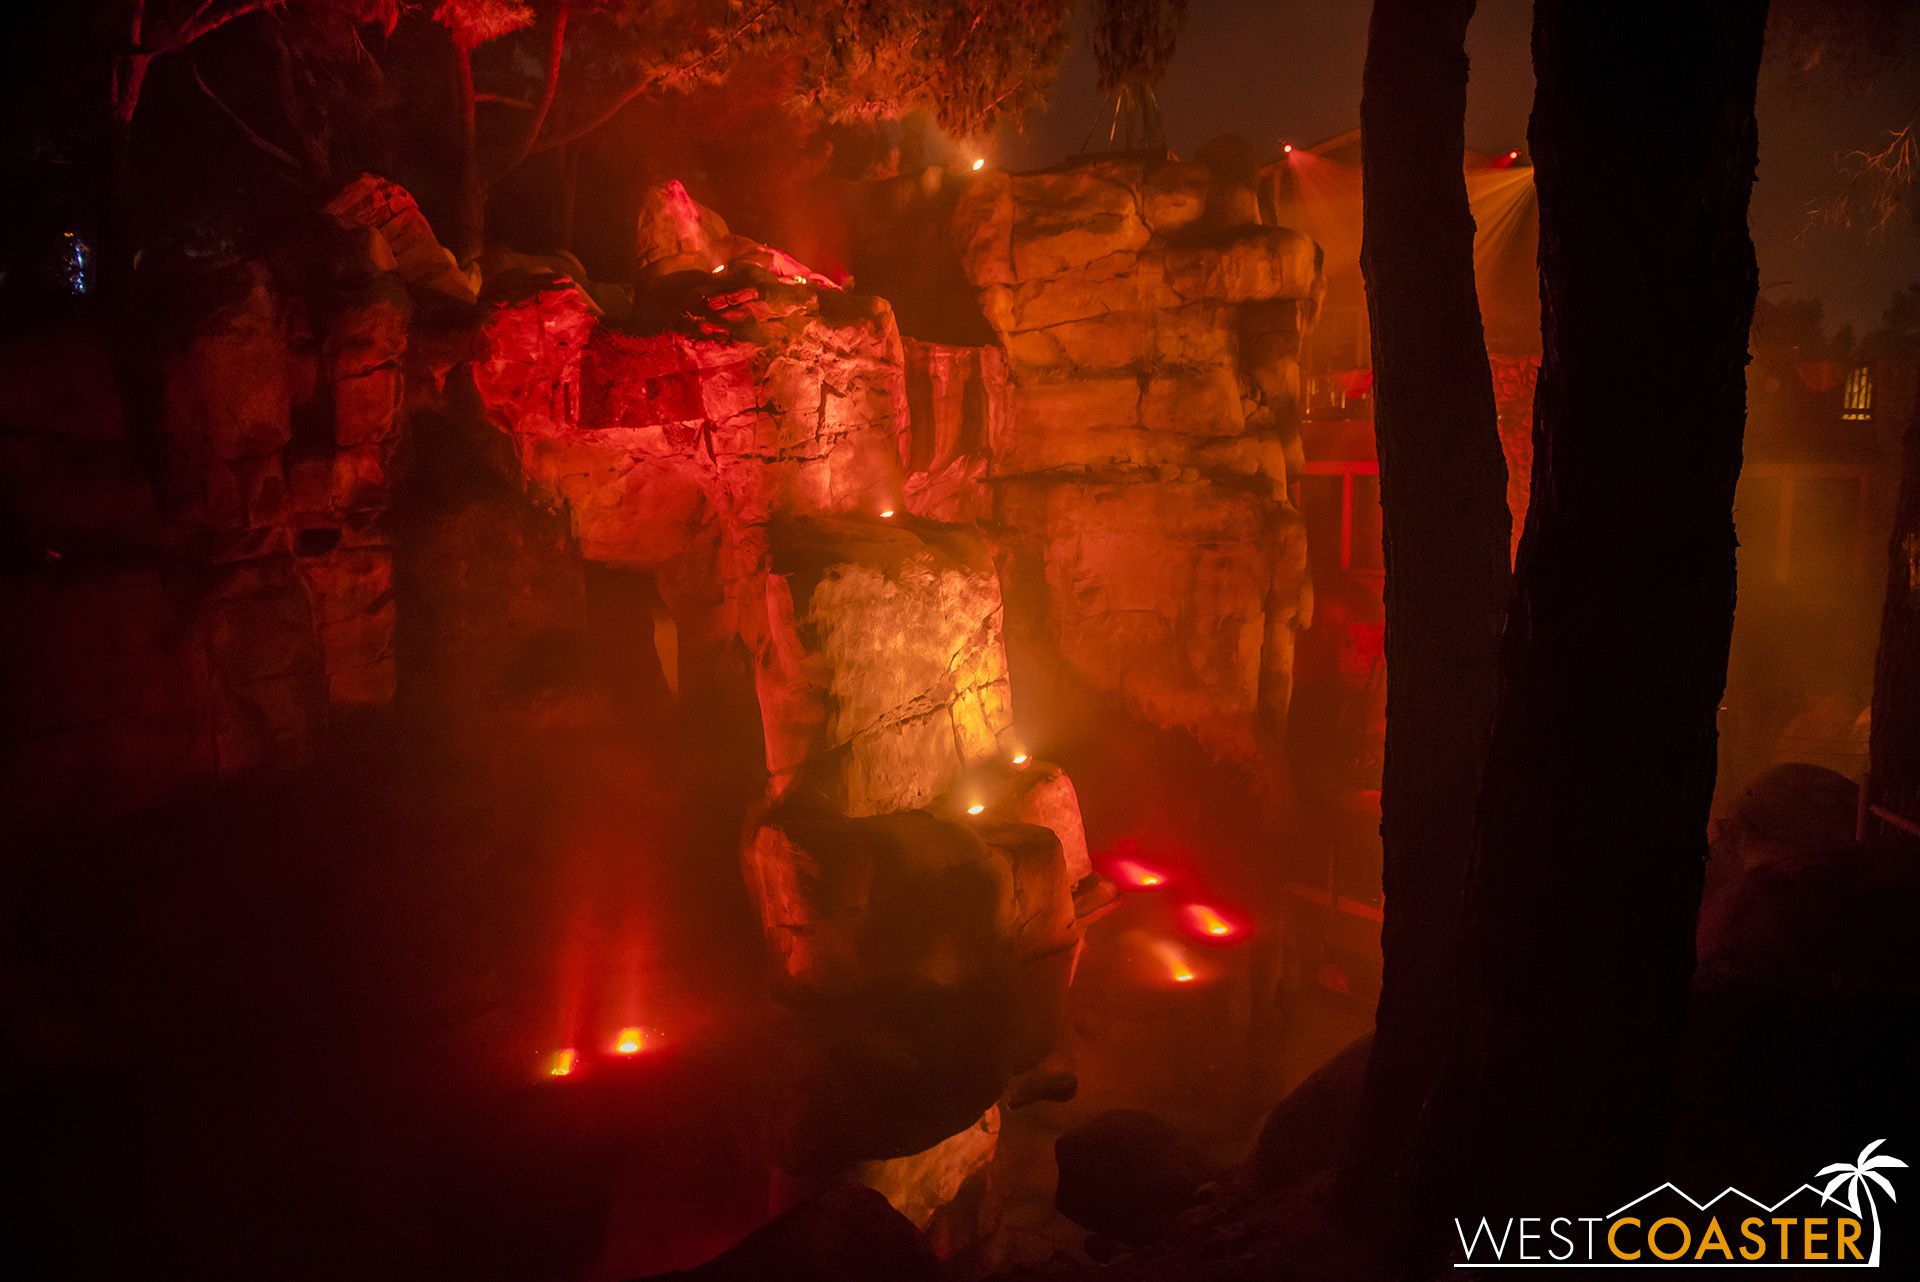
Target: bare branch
column 203, row 22
column 648, row 83
column 252, row 135
column 1879, row 190
column 531, row 134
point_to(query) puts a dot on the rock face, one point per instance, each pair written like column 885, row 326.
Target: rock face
column 1153, row 333
column 884, row 675
column 798, row 480
column 186, row 624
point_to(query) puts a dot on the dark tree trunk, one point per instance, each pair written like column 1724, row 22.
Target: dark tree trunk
column 1443, row 484
column 1601, row 768
column 1894, row 749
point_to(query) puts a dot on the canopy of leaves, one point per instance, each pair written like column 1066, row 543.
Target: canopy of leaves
column 1133, row 41
column 474, row 22
column 971, row 65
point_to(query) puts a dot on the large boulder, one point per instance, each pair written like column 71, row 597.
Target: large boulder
column 905, row 901
column 1127, row 1175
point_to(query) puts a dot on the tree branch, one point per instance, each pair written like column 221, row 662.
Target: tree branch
column 531, row 134
column 252, row 135
column 202, row 22
column 646, row 83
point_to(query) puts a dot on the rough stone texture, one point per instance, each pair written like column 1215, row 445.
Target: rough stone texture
column 927, row 956
column 1183, row 595
column 176, row 634
column 884, row 675
column 1042, row 794
column 958, row 401
column 919, row 1185
column 1153, row 333
column 914, row 898
column 784, row 398
column 372, row 202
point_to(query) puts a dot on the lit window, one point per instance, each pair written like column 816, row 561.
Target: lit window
column 1858, row 402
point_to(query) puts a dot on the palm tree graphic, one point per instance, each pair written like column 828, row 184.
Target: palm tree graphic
column 1855, row 1175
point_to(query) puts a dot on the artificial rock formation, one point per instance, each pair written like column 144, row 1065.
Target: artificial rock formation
column 209, row 607
column 797, row 480
column 1152, row 332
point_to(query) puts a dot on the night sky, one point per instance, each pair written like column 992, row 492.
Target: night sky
column 1289, row 70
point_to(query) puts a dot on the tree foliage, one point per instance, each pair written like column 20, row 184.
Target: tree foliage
column 1133, row 42
column 972, row 66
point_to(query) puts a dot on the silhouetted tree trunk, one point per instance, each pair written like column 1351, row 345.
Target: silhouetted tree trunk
column 1894, row 749
column 1443, row 486
column 1593, row 814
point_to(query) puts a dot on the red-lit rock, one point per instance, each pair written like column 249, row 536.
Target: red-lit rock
column 919, row 1184
column 352, row 594
column 1253, row 265
column 227, row 395
column 888, row 902
column 364, row 342
column 958, row 401
column 675, row 232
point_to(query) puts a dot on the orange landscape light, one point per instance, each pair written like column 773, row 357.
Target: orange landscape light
column 562, row 1063
column 630, row 1042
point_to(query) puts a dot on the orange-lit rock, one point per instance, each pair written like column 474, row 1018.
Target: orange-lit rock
column 1153, row 332
column 920, row 1184
column 884, row 675
column 1043, row 795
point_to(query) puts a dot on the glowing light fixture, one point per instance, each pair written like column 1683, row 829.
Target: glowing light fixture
column 980, row 163
column 1287, row 147
column 1514, row 154
column 562, row 1063
column 1138, row 875
column 630, row 1042
column 884, row 515
column 1176, row 963
column 1019, row 758
column 1204, row 921
column 975, row 808
column 720, row 268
